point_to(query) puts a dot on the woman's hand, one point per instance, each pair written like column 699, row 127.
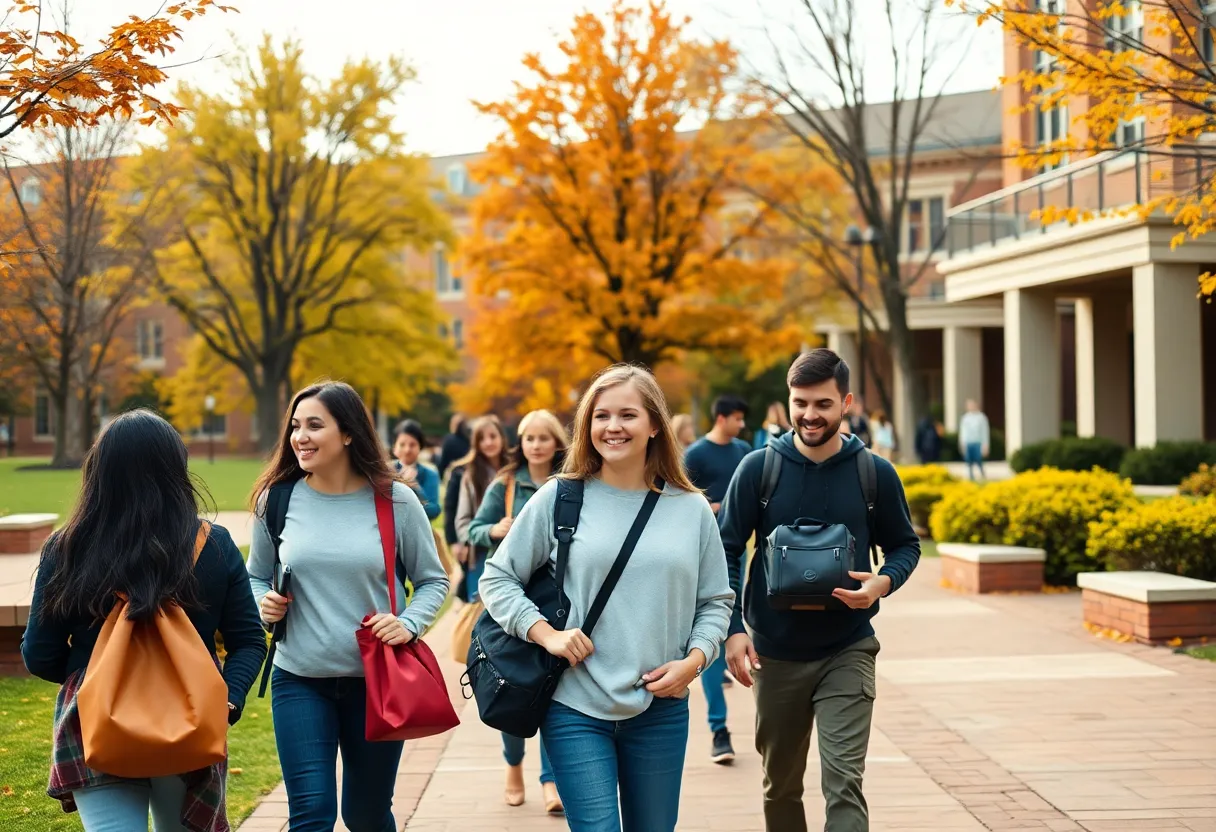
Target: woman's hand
column 274, row 607
column 499, row 530
column 571, row 645
column 389, row 629
column 672, row 679
column 460, row 551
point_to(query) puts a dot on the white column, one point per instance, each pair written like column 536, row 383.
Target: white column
column 1032, row 368
column 1168, row 365
column 1103, row 362
column 844, row 344
column 962, row 370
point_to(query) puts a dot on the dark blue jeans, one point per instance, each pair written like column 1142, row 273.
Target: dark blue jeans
column 712, row 680
column 642, row 757
column 314, row 719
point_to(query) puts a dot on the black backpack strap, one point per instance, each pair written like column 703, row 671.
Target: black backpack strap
column 618, row 566
column 869, row 492
column 567, row 506
column 277, row 501
column 772, row 473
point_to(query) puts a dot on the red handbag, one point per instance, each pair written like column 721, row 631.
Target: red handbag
column 406, row 694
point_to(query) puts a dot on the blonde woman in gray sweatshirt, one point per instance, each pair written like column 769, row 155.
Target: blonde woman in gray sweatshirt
column 619, row 720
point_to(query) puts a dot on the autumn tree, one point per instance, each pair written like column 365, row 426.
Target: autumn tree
column 49, row 78
column 277, row 215
column 65, row 290
column 1149, row 65
column 822, row 84
column 608, row 230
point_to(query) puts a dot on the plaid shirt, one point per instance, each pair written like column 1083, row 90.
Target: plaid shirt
column 202, row 810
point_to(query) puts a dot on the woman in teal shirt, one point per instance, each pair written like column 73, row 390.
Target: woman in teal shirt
column 539, row 455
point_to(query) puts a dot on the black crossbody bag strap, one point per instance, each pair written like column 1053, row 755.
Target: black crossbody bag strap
column 277, row 502
column 566, row 510
column 869, row 491
column 618, row 566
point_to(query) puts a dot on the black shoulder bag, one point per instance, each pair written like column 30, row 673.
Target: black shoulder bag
column 804, row 561
column 513, row 679
column 276, row 517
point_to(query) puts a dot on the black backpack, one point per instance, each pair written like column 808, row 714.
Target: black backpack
column 514, row 680
column 804, row 561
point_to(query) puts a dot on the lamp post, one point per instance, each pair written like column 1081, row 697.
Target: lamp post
column 855, row 237
column 209, row 406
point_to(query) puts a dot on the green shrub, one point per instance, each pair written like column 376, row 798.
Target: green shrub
column 951, row 453
column 1048, row 509
column 1202, row 483
column 1168, row 463
column 1069, row 453
column 923, row 496
column 1175, row 535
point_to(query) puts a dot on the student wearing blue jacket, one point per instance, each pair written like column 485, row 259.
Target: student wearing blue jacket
column 408, row 440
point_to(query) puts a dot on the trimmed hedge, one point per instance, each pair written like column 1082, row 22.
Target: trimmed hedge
column 996, row 447
column 924, row 487
column 1168, row 463
column 1048, row 509
column 1177, row 535
column 1069, row 453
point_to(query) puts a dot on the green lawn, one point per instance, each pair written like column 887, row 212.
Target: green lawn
column 228, row 480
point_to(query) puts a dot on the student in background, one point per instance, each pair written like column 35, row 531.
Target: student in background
column 479, row 468
column 775, row 424
column 883, row 433
column 974, row 437
column 408, row 441
column 686, row 432
column 711, row 462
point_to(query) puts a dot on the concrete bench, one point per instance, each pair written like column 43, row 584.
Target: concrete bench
column 16, row 591
column 21, row 534
column 1151, row 607
column 979, row 568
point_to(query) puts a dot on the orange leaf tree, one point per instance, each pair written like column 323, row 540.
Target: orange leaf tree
column 1129, row 74
column 47, row 77
column 607, row 233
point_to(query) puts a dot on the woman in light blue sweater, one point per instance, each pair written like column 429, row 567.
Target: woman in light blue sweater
column 619, row 720
column 333, row 464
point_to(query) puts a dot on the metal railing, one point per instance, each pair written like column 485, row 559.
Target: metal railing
column 1107, row 181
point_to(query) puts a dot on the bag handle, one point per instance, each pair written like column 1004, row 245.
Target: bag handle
column 388, row 542
column 618, row 566
column 509, row 483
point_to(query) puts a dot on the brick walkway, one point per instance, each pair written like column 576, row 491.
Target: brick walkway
column 993, row 713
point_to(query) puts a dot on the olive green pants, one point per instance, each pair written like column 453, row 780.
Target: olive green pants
column 838, row 692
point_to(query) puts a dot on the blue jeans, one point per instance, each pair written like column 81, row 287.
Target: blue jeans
column 513, row 753
column 473, row 577
column 973, row 454
column 643, row 757
column 123, row 807
column 314, row 719
column 711, row 682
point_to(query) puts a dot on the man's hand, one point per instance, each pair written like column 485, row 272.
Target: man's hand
column 741, row 658
column 716, row 507
column 873, row 587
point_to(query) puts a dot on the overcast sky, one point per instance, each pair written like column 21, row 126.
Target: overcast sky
column 469, row 49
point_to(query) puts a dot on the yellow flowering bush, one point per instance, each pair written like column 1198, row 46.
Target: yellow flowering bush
column 924, row 486
column 1202, row 483
column 1175, row 535
column 1046, row 508
column 911, row 475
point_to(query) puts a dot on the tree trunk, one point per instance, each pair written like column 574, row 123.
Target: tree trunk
column 909, row 400
column 269, row 413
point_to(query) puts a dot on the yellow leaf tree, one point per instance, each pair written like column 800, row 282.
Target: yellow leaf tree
column 609, row 231
column 49, row 78
column 1133, row 74
column 277, row 217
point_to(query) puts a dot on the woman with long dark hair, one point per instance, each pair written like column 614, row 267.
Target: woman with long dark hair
column 333, row 465
column 134, row 532
column 478, row 469
column 618, row 725
column 539, row 455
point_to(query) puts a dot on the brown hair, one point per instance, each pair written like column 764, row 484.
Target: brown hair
column 476, row 473
column 367, row 454
column 781, row 420
column 545, row 419
column 663, row 455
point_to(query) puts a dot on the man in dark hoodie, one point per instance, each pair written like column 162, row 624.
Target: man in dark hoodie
column 814, row 664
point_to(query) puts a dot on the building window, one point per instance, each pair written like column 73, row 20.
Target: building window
column 443, row 272
column 457, row 179
column 218, row 429
column 926, row 224
column 1207, row 10
column 150, row 340
column 31, row 193
column 1050, row 125
column 43, row 426
column 458, row 333
column 937, row 290
column 1124, row 32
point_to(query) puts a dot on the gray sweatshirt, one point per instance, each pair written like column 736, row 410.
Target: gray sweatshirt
column 672, row 596
column 332, row 543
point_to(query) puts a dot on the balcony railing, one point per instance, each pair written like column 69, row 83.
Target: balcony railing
column 1104, row 182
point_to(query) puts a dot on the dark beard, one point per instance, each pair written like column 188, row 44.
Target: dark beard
column 829, row 431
